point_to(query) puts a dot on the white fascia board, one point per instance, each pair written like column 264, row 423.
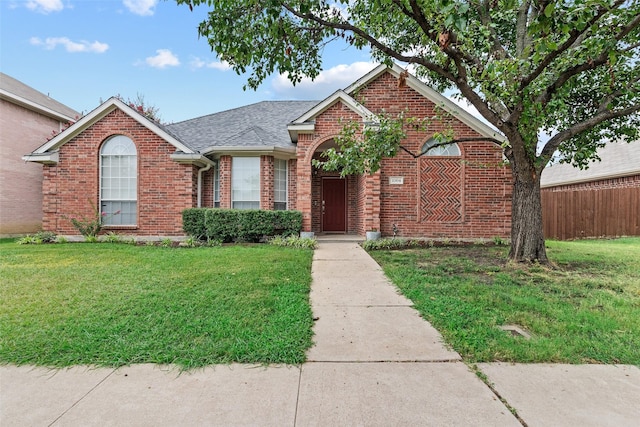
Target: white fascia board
column 50, row 158
column 191, row 159
column 240, row 151
column 33, row 106
column 295, row 129
column 338, row 95
column 100, row 112
column 436, row 97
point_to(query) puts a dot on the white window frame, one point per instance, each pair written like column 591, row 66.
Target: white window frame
column 278, row 202
column 113, row 209
column 245, row 190
column 443, row 150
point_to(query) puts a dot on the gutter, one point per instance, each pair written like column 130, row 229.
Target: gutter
column 200, row 172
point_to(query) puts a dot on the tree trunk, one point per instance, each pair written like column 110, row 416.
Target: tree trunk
column 527, row 236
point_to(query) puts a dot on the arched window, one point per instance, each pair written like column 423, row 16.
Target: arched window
column 443, row 150
column 119, row 181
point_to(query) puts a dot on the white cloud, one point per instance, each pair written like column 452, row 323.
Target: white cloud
column 141, row 7
column 327, row 82
column 51, row 43
column 45, row 6
column 196, row 63
column 164, row 58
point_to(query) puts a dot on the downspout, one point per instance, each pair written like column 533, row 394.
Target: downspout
column 200, row 172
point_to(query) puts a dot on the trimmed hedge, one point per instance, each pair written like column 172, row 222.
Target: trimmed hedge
column 234, row 225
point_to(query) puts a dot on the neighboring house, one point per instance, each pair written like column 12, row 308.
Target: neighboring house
column 603, row 200
column 260, row 157
column 27, row 119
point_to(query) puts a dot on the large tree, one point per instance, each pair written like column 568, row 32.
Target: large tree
column 567, row 69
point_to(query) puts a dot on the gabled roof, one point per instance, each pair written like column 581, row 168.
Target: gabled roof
column 618, row 159
column 437, row 98
column 305, row 123
column 19, row 93
column 263, row 123
column 45, row 153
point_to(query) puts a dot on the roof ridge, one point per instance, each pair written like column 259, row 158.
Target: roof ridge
column 242, row 107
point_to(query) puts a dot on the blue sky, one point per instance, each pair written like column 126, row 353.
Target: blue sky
column 82, row 51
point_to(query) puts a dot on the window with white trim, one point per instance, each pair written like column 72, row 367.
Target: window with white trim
column 280, row 176
column 245, row 183
column 119, row 181
column 442, row 150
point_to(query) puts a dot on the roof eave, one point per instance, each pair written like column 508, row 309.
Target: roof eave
column 34, row 106
column 297, row 128
column 241, row 151
column 191, row 159
column 590, row 179
column 337, row 96
column 50, row 158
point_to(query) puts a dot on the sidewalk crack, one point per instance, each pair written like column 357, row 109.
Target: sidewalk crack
column 82, row 398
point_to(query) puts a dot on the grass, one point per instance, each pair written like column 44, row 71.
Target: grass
column 585, row 311
column 113, row 305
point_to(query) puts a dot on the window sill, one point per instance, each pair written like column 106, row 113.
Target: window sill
column 119, row 227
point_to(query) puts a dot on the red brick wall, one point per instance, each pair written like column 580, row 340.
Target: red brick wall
column 477, row 206
column 165, row 188
column 603, row 184
column 207, row 188
column 21, row 132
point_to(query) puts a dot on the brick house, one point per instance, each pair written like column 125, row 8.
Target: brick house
column 27, row 118
column 260, row 157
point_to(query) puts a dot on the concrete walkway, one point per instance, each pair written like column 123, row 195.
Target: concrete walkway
column 375, row 363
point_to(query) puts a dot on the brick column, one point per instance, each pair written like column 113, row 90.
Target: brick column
column 372, row 202
column 304, row 191
column 266, row 182
column 225, row 181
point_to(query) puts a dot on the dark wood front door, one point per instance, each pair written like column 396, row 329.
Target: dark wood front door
column 334, row 204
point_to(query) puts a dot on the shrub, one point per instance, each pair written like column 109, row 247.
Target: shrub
column 392, row 243
column 233, row 225
column 38, row 238
column 29, row 240
column 294, row 242
column 112, row 237
column 90, row 227
column 193, row 223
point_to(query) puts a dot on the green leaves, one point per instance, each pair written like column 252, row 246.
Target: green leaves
column 360, row 150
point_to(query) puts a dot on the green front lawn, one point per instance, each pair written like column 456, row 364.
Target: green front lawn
column 586, row 311
column 115, row 304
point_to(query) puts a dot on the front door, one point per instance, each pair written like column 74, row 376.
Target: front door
column 334, row 205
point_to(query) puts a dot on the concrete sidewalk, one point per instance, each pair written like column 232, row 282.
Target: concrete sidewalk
column 375, row 363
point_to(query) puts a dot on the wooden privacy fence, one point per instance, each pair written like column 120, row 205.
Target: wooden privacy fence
column 591, row 213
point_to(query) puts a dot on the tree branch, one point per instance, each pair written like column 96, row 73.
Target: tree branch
column 602, row 59
column 552, row 145
column 521, row 27
column 449, row 142
column 574, row 35
column 373, row 41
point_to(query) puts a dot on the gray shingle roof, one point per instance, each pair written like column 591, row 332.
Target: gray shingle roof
column 261, row 124
column 21, row 90
column 618, row 159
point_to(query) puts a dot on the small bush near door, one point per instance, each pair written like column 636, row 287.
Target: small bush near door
column 233, row 225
